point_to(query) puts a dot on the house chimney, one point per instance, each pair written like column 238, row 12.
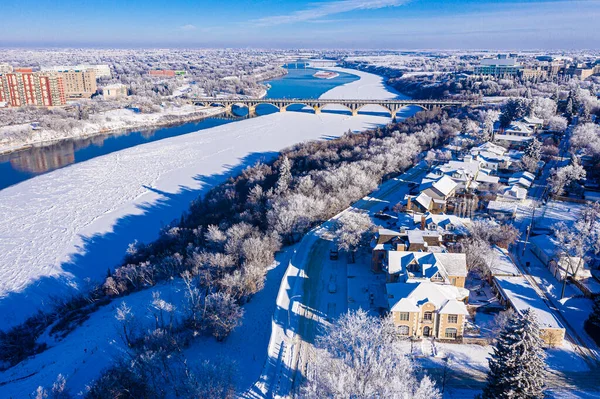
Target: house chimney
column 422, row 222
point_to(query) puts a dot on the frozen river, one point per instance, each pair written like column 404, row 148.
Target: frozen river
column 66, row 227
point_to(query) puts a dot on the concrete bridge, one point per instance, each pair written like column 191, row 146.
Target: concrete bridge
column 354, row 106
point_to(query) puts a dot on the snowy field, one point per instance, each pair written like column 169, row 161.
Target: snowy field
column 95, row 208
column 74, row 223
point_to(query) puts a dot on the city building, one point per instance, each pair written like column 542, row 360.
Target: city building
column 101, row 71
column 37, row 89
column 116, row 90
column 162, row 72
column 498, row 67
column 79, row 83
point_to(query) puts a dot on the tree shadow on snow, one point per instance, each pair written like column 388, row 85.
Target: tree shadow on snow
column 104, row 251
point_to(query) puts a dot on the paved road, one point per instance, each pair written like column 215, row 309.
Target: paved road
column 305, row 304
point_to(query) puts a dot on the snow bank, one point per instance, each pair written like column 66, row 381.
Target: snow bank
column 15, row 137
column 74, row 223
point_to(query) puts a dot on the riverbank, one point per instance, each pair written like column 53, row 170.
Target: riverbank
column 107, row 122
column 71, row 224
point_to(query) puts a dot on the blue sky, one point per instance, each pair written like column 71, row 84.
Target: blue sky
column 390, row 24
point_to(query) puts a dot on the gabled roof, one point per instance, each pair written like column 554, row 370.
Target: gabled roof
column 454, row 306
column 424, row 200
column 409, row 297
column 448, row 264
column 533, row 120
column 445, row 185
column 489, row 147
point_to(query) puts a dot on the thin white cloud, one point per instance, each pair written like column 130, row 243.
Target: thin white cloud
column 188, row 27
column 320, row 10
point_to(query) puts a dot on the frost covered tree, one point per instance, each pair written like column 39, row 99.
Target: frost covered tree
column 350, row 231
column 532, row 156
column 488, row 118
column 587, row 138
column 358, row 357
column 517, row 364
column 561, row 178
column 574, row 242
column 558, row 124
column 223, row 314
column 285, row 175
column 543, row 108
column 514, row 109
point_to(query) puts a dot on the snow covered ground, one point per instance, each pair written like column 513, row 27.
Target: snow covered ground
column 71, row 224
column 15, row 137
column 77, row 221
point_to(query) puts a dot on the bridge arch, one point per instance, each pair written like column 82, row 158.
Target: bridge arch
column 380, row 106
column 335, row 106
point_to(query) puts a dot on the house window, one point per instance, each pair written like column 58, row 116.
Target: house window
column 403, row 330
column 453, row 318
column 404, row 316
column 428, row 316
column 451, row 333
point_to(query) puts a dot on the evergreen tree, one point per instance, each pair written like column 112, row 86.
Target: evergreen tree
column 517, row 364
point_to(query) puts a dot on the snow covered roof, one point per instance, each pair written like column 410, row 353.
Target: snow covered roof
column 518, row 127
column 454, row 306
column 500, row 264
column 515, row 192
column 445, row 185
column 502, row 206
column 483, row 177
column 416, row 295
column 489, row 147
column 446, row 222
column 448, row 264
column 522, row 296
column 512, row 137
column 424, row 200
column 533, row 120
column 521, row 181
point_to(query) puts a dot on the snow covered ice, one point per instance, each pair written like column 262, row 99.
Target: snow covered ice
column 74, row 223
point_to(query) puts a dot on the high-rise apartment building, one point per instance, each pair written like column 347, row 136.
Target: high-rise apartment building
column 102, row 71
column 38, row 89
column 79, row 83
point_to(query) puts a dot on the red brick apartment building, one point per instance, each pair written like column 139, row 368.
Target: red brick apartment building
column 32, row 88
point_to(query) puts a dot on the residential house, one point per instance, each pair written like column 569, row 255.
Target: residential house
column 450, row 227
column 444, row 268
column 523, row 179
column 467, row 174
column 533, row 122
column 519, row 294
column 518, row 129
column 426, row 309
column 514, row 193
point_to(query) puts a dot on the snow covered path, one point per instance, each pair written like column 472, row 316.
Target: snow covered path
column 74, row 223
